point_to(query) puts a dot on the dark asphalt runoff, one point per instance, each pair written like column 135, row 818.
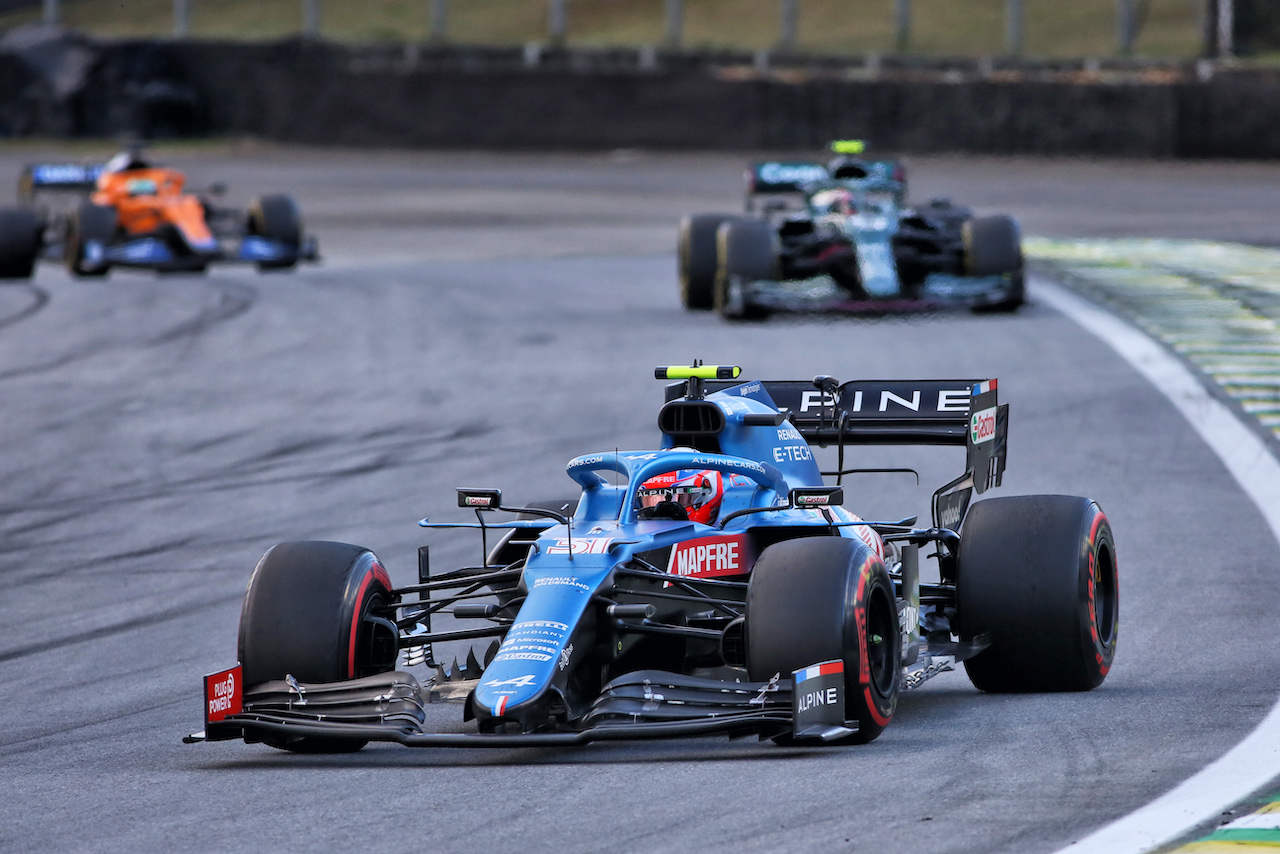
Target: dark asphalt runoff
column 478, row 320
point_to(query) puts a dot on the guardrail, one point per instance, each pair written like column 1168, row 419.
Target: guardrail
column 1219, row 22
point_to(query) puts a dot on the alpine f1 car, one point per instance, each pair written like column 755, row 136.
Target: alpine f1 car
column 128, row 213
column 840, row 237
column 712, row 585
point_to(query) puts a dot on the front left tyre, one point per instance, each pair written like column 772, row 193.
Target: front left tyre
column 277, row 219
column 993, row 247
column 817, row 599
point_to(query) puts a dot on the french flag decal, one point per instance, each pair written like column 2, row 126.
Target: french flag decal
column 817, row 670
column 984, row 386
column 502, row 705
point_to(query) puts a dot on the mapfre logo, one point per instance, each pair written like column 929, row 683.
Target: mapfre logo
column 708, row 557
column 982, row 426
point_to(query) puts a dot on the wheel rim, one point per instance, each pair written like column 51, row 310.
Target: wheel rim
column 881, row 640
column 376, row 648
column 1103, row 596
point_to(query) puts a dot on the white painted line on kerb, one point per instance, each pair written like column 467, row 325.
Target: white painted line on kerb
column 1254, row 762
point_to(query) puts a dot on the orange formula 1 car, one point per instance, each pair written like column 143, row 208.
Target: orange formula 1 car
column 132, row 214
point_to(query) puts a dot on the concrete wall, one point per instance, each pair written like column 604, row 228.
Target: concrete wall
column 317, row 93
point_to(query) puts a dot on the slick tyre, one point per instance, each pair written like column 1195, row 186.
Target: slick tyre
column 697, row 259
column 992, row 246
column 1038, row 574
column 89, row 222
column 746, row 251
column 20, row 238
column 311, row 612
column 819, row 599
column 277, row 218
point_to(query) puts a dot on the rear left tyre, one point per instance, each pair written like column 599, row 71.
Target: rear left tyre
column 818, row 599
column 312, row 612
column 1038, row 574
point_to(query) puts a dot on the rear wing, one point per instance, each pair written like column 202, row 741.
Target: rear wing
column 784, row 176
column 961, row 412
column 65, row 177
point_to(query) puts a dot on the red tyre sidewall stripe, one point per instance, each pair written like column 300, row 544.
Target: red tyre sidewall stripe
column 874, row 708
column 864, row 663
column 355, row 617
column 1091, row 588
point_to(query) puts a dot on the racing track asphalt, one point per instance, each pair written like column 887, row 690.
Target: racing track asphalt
column 478, row 321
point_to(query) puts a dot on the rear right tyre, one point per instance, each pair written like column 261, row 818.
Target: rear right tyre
column 21, row 233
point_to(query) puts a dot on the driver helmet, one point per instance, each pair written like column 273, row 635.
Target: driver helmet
column 696, row 491
column 836, row 201
column 127, row 161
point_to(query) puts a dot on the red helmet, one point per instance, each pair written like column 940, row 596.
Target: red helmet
column 688, row 493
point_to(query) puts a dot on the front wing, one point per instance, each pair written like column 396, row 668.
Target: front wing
column 153, row 253
column 391, row 707
column 941, row 291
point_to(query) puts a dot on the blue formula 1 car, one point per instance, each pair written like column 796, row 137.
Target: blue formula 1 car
column 712, row 585
column 840, row 237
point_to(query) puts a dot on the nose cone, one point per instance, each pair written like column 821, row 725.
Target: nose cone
column 187, row 216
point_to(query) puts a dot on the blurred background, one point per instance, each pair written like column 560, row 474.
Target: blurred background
column 1128, row 78
column 1034, row 28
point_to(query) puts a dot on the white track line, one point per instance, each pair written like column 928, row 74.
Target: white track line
column 1254, row 762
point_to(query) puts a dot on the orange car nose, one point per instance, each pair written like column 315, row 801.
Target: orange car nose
column 187, row 215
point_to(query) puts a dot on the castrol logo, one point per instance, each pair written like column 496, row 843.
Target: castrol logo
column 982, row 426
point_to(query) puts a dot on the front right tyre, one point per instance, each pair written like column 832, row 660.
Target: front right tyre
column 696, row 250
column 312, row 611
column 89, row 223
column 747, row 250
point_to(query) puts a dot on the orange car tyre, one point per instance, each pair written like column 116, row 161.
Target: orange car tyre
column 20, row 238
column 277, row 218
column 89, row 222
